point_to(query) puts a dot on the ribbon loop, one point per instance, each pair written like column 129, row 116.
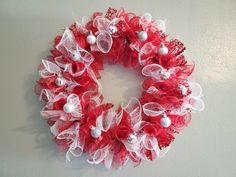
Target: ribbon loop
column 153, row 109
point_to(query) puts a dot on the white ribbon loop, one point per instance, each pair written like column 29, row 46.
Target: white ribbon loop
column 104, row 41
column 161, row 25
column 146, row 49
column 74, row 100
column 158, row 73
column 134, row 109
column 46, row 95
column 50, row 69
column 196, row 89
column 68, row 45
column 105, row 120
column 77, row 146
column 192, row 101
column 144, row 21
column 150, row 142
column 153, row 109
column 67, row 67
column 75, row 114
column 98, row 156
column 106, row 29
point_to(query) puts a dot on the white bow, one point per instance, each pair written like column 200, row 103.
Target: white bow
column 158, row 73
column 69, row 46
column 75, row 114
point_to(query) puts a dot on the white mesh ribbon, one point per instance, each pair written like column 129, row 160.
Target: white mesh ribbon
column 53, row 69
column 104, row 41
column 134, row 109
column 81, row 26
column 153, row 109
column 69, row 46
column 105, row 120
column 140, row 140
column 74, row 100
column 192, row 101
column 49, row 69
column 46, row 95
column 144, row 21
column 76, row 145
column 158, row 73
column 161, row 25
column 76, row 113
column 104, row 34
column 146, row 49
column 101, row 155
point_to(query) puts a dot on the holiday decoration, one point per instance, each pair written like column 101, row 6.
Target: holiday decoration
column 72, row 95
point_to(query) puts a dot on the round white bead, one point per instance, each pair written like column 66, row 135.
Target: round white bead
column 112, row 29
column 132, row 138
column 91, row 39
column 95, row 133
column 142, row 35
column 163, row 50
column 68, row 107
column 60, row 81
column 74, row 55
column 165, row 121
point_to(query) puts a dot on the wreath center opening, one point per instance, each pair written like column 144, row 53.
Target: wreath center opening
column 119, row 84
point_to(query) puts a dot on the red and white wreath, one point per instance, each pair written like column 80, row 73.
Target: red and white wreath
column 72, row 95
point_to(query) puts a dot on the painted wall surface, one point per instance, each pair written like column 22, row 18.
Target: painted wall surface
column 207, row 148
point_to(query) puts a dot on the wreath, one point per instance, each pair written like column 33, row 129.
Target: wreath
column 72, row 95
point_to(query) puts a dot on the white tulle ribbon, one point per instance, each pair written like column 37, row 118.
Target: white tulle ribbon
column 99, row 155
column 161, row 25
column 144, row 141
column 76, row 146
column 93, row 95
column 81, row 26
column 158, row 73
column 145, row 21
column 153, row 109
column 69, row 46
column 104, row 41
column 192, row 101
column 75, row 114
column 146, row 49
column 67, row 67
column 49, row 69
column 134, row 109
column 106, row 120
column 46, row 95
column 53, row 69
column 104, row 34
column 138, row 140
column 152, row 90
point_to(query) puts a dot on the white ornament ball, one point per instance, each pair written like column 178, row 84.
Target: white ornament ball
column 165, row 121
column 91, row 39
column 60, row 81
column 142, row 35
column 75, row 55
column 132, row 138
column 163, row 50
column 112, row 29
column 68, row 107
column 95, row 133
column 165, row 75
